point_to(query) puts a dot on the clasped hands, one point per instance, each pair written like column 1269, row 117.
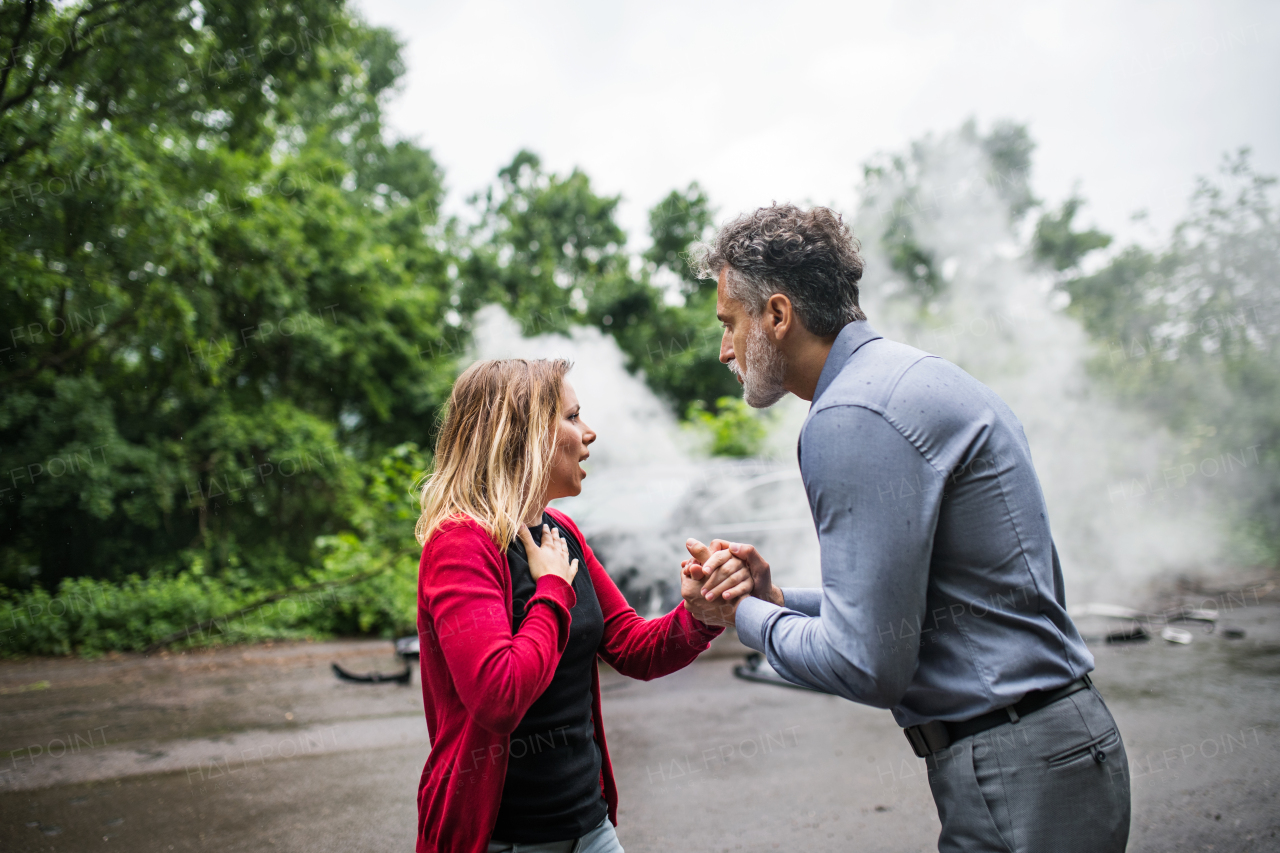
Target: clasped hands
column 716, row 578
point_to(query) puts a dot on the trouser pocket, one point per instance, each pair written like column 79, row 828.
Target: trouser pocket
column 957, row 778
column 1097, row 749
column 1037, row 786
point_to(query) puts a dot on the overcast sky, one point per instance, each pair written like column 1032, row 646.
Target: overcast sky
column 786, row 101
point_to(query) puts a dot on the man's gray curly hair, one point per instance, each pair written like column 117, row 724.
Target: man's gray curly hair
column 809, row 256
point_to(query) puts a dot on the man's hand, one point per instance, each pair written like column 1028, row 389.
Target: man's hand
column 730, row 571
column 711, row 613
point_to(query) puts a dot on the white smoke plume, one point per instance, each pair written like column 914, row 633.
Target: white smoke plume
column 1121, row 527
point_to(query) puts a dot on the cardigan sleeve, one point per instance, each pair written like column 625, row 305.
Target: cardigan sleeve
column 496, row 674
column 635, row 646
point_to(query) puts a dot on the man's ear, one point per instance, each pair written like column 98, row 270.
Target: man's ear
column 778, row 317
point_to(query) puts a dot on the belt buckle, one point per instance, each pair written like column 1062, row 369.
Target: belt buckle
column 928, row 738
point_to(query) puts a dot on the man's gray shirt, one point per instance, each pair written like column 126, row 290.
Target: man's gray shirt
column 941, row 591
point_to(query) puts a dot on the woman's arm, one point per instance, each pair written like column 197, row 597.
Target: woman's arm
column 634, row 646
column 497, row 675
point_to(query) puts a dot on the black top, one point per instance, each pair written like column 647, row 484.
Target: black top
column 552, row 789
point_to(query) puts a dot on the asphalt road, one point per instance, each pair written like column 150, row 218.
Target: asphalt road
column 261, row 748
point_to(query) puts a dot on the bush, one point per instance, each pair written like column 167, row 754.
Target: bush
column 734, row 430
column 90, row 617
column 365, row 585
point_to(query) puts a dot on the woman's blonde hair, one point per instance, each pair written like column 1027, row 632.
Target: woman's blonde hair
column 493, row 455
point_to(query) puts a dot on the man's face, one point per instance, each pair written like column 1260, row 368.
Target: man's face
column 752, row 357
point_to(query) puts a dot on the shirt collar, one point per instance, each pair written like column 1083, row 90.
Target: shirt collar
column 850, row 339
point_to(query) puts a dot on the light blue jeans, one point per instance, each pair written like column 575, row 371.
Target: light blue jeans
column 602, row 839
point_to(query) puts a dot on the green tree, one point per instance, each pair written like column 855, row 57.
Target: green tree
column 227, row 297
column 893, row 183
column 543, row 244
column 1057, row 244
column 665, row 319
column 1191, row 333
column 1009, row 148
column 549, row 250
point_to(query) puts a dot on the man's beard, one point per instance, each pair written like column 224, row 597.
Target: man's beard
column 765, row 370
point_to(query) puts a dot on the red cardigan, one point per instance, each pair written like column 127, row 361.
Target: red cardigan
column 478, row 679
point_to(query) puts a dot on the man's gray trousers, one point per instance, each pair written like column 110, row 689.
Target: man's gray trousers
column 1056, row 780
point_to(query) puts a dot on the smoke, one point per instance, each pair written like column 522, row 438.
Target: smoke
column 1121, row 523
column 648, row 488
column 992, row 312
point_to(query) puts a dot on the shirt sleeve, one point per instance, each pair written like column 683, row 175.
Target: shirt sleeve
column 806, row 600
column 875, row 500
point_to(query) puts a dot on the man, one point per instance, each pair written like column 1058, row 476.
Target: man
column 942, row 596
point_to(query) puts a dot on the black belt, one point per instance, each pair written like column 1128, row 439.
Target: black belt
column 928, row 738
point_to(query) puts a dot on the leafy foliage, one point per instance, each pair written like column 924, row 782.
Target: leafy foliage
column 665, row 321
column 543, row 244
column 1008, row 147
column 227, row 294
column 548, row 250
column 735, row 430
column 1192, row 334
column 1056, row 244
column 90, row 616
column 234, row 314
column 1187, row 332
column 893, row 182
column 376, row 545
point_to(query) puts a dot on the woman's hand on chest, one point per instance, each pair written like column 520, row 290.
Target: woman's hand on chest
column 549, row 557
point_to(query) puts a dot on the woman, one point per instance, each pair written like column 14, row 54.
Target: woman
column 509, row 627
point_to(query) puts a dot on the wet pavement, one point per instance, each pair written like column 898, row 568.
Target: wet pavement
column 262, row 748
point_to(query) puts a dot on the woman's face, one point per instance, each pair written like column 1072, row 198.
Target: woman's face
column 572, row 438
